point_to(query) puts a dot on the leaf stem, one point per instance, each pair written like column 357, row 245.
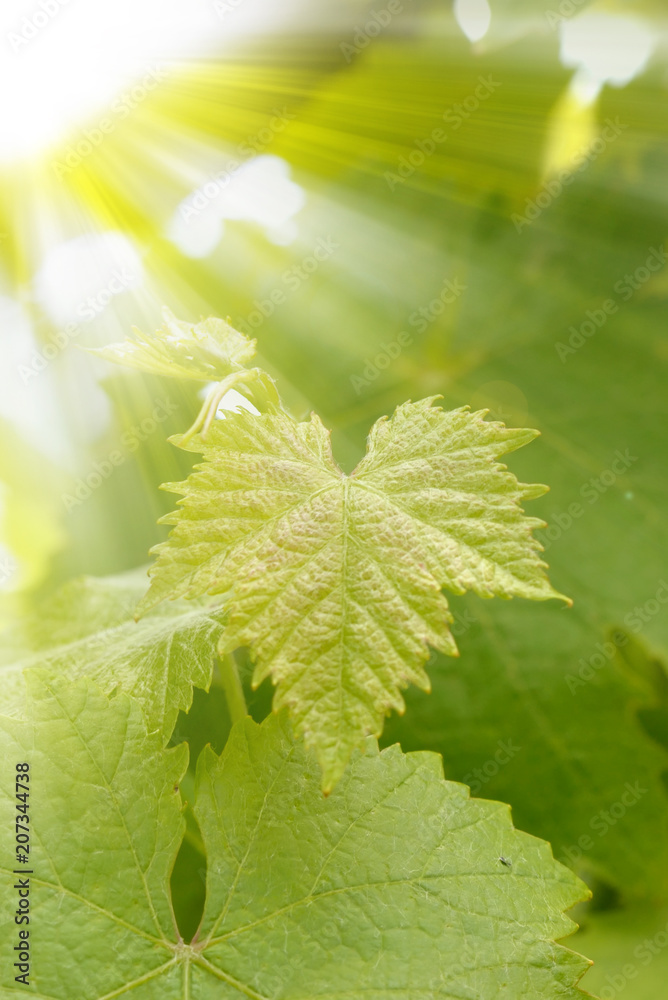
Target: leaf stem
column 231, row 685
column 210, row 405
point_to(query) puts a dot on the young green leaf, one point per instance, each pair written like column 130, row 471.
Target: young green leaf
column 88, row 628
column 392, row 887
column 206, row 352
column 336, row 580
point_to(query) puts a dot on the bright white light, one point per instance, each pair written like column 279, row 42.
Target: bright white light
column 64, row 63
column 232, row 402
column 8, row 566
column 197, row 237
column 79, row 278
column 585, row 88
column 283, row 236
column 606, row 47
column 27, row 396
column 473, row 17
column 259, row 191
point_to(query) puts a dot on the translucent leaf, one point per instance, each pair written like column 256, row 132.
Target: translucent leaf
column 207, row 352
column 337, row 579
column 88, row 629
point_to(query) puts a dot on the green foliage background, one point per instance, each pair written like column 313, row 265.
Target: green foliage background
column 588, row 723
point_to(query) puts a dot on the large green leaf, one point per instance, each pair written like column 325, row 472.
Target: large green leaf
column 391, row 887
column 336, row 580
column 88, row 629
column 105, row 826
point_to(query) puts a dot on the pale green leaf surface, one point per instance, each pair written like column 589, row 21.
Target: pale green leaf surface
column 88, row 629
column 106, row 825
column 391, row 887
column 207, row 351
column 337, row 579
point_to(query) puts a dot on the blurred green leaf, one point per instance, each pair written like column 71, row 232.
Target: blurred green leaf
column 87, row 629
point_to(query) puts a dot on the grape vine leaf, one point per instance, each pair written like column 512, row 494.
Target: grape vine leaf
column 206, row 351
column 336, row 580
column 393, row 886
column 87, row 628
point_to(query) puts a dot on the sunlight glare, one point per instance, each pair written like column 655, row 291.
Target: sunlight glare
column 259, row 191
column 473, row 17
column 78, row 278
column 606, row 48
column 65, row 61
